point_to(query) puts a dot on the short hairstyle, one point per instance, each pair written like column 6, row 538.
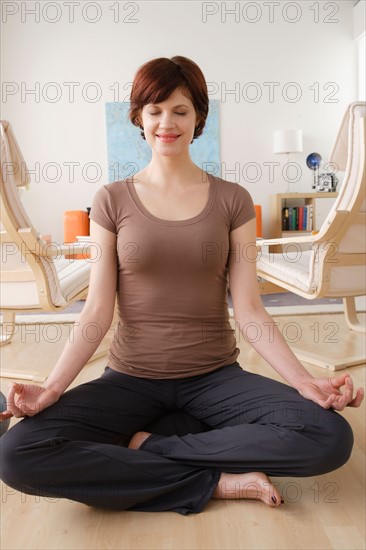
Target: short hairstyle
column 157, row 79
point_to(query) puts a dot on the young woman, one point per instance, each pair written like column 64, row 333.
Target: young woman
column 174, row 420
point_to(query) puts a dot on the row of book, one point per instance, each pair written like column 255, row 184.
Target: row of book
column 297, row 218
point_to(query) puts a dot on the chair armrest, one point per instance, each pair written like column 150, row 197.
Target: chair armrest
column 52, row 250
column 287, row 240
column 49, row 250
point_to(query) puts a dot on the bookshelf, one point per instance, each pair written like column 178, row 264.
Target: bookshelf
column 303, row 209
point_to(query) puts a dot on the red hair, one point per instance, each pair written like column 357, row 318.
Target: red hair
column 155, row 81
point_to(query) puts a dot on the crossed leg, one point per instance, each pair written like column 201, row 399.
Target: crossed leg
column 239, row 423
column 259, row 427
column 251, row 486
column 77, row 449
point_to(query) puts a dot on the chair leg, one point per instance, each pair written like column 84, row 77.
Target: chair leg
column 351, row 315
column 349, row 350
column 8, row 327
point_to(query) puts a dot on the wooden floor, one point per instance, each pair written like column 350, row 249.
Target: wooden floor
column 322, row 512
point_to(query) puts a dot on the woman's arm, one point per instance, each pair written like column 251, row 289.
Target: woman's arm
column 94, row 322
column 96, row 317
column 257, row 326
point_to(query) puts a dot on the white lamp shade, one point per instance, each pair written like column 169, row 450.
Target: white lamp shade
column 287, row 141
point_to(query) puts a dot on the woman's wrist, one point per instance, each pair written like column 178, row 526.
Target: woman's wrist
column 296, row 375
column 56, row 390
column 300, row 379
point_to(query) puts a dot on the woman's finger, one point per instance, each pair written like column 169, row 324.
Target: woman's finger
column 339, row 402
column 339, row 380
column 31, row 409
column 11, row 397
column 5, row 415
column 12, row 407
column 15, row 387
column 328, row 403
column 343, row 400
column 356, row 402
column 349, row 385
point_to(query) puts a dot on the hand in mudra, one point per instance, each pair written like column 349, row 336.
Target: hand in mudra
column 27, row 400
column 327, row 393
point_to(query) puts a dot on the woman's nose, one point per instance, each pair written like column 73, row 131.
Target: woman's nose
column 166, row 120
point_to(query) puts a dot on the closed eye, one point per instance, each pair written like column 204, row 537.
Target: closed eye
column 181, row 114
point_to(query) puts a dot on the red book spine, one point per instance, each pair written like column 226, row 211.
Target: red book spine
column 301, row 217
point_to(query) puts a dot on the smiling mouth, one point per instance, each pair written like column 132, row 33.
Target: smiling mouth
column 168, row 138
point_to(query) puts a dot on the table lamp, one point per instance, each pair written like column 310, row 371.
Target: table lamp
column 286, row 142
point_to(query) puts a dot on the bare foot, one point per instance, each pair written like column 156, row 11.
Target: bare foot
column 138, row 439
column 252, row 485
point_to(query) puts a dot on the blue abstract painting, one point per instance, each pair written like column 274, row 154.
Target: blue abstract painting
column 128, row 153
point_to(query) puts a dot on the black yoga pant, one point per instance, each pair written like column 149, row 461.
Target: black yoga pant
column 229, row 420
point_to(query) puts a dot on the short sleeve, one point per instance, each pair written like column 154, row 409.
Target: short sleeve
column 102, row 211
column 242, row 208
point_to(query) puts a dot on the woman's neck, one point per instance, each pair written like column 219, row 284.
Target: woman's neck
column 172, row 171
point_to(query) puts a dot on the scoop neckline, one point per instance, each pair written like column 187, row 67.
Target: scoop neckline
column 150, row 216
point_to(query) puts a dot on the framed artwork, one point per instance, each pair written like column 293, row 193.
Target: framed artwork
column 128, row 153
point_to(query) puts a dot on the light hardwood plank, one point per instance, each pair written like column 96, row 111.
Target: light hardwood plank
column 325, row 511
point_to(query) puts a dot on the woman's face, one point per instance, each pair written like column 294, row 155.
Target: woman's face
column 169, row 126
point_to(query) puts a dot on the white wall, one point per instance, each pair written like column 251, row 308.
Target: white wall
column 316, row 51
column 359, row 33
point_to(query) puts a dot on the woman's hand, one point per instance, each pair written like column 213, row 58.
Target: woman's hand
column 27, row 400
column 326, row 392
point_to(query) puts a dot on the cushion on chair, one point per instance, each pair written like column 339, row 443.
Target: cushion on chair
column 14, row 294
column 66, row 279
column 347, row 281
column 345, row 155
column 294, row 268
column 71, row 277
column 15, row 168
column 302, row 272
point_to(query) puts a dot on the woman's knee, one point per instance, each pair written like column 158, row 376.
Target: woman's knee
column 336, row 443
column 13, row 469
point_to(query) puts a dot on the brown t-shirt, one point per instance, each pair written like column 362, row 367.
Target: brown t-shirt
column 172, row 281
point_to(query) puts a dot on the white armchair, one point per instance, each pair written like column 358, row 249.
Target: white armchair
column 34, row 275
column 335, row 266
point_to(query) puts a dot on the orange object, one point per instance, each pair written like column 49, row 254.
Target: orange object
column 76, row 223
column 258, row 215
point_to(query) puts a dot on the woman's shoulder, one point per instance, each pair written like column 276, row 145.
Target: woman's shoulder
column 111, row 192
column 108, row 204
column 231, row 189
column 236, row 201
column 109, row 195
column 116, row 186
